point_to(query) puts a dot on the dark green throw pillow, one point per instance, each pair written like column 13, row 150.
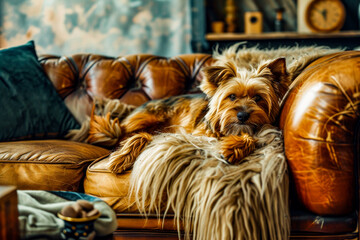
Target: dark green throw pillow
column 30, row 106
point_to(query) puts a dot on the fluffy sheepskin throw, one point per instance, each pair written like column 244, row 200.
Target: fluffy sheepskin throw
column 185, row 174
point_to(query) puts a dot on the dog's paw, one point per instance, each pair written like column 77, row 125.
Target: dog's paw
column 234, row 148
column 124, row 158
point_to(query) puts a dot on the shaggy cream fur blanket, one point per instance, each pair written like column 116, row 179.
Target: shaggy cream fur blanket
column 186, row 175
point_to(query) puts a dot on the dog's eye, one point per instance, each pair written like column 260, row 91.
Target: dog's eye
column 257, row 98
column 232, row 97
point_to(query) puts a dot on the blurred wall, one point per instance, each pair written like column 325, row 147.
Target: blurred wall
column 108, row 27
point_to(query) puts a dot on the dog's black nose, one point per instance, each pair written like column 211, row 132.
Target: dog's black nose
column 243, row 116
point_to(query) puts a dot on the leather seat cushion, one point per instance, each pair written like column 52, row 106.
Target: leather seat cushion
column 112, row 188
column 46, row 164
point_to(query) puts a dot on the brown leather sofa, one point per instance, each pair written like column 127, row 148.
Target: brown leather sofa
column 320, row 120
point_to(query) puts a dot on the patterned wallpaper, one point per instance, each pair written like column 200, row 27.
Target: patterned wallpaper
column 109, row 27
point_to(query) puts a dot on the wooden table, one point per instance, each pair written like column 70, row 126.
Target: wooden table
column 9, row 223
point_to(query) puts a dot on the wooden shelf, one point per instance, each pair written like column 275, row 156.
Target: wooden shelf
column 279, row 35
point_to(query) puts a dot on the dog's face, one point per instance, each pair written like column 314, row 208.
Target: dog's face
column 242, row 100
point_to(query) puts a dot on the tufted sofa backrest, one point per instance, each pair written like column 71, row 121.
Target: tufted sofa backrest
column 134, row 79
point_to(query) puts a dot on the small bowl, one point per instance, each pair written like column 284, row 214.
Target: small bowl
column 78, row 228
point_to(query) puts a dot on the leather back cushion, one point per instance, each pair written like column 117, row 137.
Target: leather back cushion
column 134, row 79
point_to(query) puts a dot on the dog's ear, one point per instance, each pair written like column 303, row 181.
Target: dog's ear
column 277, row 68
column 279, row 75
column 215, row 75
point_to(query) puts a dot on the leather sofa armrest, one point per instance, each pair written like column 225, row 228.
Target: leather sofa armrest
column 319, row 118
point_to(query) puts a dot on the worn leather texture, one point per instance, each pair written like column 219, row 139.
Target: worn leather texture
column 319, row 121
column 46, row 164
column 112, row 188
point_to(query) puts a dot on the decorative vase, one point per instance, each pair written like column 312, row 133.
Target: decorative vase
column 78, row 228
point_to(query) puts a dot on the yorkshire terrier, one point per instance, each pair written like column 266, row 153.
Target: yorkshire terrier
column 235, row 104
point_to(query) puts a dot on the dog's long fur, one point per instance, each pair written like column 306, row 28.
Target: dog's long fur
column 106, row 115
